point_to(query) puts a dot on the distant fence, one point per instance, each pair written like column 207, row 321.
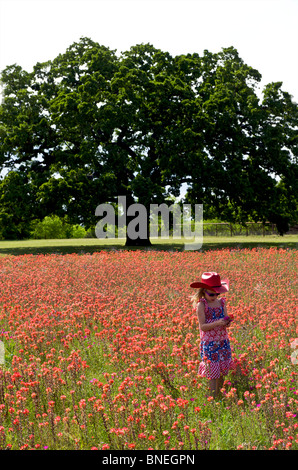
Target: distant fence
column 227, row 229
column 221, row 229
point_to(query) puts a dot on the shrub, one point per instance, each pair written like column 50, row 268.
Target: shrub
column 50, row 227
column 53, row 227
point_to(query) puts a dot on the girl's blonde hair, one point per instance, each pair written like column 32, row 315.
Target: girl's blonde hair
column 197, row 296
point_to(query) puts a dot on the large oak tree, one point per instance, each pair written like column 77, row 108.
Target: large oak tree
column 90, row 126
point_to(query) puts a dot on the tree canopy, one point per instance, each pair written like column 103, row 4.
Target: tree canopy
column 90, row 125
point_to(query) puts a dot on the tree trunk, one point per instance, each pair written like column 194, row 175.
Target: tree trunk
column 137, row 225
column 141, row 236
column 138, row 242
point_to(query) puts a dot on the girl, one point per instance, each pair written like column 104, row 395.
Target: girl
column 213, row 320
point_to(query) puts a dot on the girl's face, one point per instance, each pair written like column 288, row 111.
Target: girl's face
column 210, row 296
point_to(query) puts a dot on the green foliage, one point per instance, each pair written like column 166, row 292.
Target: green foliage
column 53, row 227
column 78, row 232
column 16, row 203
column 50, row 227
column 89, row 125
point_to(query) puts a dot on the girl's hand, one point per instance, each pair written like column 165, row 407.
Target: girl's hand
column 228, row 319
column 222, row 322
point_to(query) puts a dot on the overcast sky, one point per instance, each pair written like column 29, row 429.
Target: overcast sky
column 265, row 32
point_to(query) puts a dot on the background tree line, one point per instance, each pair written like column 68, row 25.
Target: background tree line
column 90, row 125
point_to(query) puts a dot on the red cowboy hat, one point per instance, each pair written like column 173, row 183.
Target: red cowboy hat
column 212, row 281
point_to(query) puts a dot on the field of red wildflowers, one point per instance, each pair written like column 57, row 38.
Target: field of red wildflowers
column 102, row 352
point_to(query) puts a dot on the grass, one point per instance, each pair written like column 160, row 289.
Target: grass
column 91, row 245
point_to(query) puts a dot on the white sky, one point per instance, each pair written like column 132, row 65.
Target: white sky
column 265, row 32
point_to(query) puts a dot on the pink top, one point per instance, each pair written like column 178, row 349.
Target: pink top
column 213, row 314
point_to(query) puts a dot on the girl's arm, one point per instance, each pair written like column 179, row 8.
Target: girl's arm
column 207, row 326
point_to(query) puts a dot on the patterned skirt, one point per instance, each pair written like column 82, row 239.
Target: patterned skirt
column 216, row 358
